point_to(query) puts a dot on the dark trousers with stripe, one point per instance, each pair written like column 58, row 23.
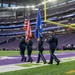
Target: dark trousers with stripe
column 29, row 52
column 52, row 56
column 22, row 53
column 40, row 55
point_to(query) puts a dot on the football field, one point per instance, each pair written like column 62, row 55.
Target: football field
column 11, row 65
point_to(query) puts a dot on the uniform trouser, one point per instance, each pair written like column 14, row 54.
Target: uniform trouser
column 52, row 56
column 22, row 53
column 40, row 55
column 29, row 55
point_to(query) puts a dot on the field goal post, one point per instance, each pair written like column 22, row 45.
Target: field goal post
column 72, row 26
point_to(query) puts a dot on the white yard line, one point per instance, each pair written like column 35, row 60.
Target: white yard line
column 8, row 68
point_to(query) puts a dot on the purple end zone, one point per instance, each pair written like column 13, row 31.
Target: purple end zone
column 16, row 59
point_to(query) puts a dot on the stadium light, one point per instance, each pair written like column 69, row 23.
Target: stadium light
column 32, row 6
column 42, row 3
column 51, row 0
column 46, row 2
column 14, row 7
column 27, row 6
column 35, row 9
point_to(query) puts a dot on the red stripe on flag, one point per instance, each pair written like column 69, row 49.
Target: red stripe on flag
column 27, row 28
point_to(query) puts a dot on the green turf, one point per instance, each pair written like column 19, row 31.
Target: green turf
column 9, row 53
column 16, row 53
column 46, row 70
column 28, row 65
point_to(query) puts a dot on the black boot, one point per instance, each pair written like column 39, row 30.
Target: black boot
column 58, row 62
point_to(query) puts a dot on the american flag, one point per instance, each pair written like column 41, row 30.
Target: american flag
column 27, row 28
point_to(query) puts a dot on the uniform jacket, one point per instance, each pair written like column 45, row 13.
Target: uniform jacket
column 29, row 45
column 22, row 44
column 53, row 42
column 40, row 45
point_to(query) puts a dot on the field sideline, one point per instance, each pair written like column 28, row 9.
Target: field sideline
column 16, row 53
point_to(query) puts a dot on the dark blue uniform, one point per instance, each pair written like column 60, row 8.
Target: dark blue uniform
column 29, row 50
column 40, row 53
column 53, row 42
column 22, row 46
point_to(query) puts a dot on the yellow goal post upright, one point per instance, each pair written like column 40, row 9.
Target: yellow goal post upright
column 72, row 26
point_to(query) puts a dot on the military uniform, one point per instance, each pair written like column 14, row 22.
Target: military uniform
column 53, row 42
column 40, row 51
column 29, row 50
column 22, row 46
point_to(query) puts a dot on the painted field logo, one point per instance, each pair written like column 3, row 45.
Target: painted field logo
column 70, row 72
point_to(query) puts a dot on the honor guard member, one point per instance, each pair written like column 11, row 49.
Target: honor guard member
column 29, row 49
column 40, row 51
column 53, row 42
column 22, row 46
